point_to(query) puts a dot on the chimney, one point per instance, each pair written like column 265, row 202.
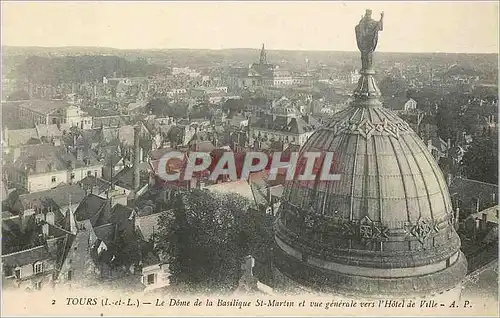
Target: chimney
column 429, row 144
column 79, row 154
column 45, row 230
column 449, row 143
column 137, row 153
column 475, row 229
column 484, row 221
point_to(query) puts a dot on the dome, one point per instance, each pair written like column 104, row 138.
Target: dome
column 387, row 227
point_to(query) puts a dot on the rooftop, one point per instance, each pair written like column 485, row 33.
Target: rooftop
column 89, row 208
column 60, row 195
column 26, row 257
column 20, row 137
column 45, row 107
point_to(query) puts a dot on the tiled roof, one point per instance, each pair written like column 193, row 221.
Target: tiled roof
column 44, row 106
column 105, row 233
column 89, row 208
column 48, row 131
column 286, row 124
column 468, row 190
column 241, row 187
column 21, row 136
column 125, row 178
column 26, row 257
column 59, row 195
column 148, row 224
column 90, row 182
column 120, row 215
column 50, row 158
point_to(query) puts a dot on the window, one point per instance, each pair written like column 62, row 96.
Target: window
column 53, row 179
column 38, row 268
column 72, row 176
column 17, row 273
column 37, row 285
column 151, row 279
column 70, row 275
column 89, row 173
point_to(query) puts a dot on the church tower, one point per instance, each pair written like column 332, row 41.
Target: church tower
column 263, row 58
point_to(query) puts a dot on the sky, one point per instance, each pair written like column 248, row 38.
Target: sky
column 451, row 26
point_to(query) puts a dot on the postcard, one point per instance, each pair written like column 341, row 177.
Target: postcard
column 249, row 158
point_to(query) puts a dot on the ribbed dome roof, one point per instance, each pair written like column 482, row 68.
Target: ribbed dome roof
column 387, row 226
column 387, row 173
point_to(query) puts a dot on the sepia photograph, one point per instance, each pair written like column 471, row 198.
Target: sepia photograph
column 249, row 158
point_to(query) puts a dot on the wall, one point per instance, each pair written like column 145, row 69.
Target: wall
column 28, row 278
column 299, row 139
column 161, row 276
column 43, row 181
column 81, row 173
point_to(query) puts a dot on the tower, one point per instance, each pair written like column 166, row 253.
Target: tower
column 387, row 228
column 263, row 57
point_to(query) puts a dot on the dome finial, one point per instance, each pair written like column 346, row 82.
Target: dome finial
column 367, row 92
column 367, row 38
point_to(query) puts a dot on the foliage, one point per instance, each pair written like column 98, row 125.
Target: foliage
column 393, row 86
column 233, row 104
column 456, row 114
column 125, row 249
column 79, row 69
column 480, row 162
column 200, row 111
column 447, row 120
column 162, row 108
column 205, row 237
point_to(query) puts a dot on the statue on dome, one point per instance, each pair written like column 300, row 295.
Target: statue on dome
column 367, row 37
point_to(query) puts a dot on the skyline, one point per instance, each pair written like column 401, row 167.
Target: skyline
column 468, row 27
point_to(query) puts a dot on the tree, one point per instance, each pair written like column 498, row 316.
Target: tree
column 480, row 162
column 126, row 249
column 233, row 104
column 205, row 237
column 447, row 120
column 18, row 95
column 393, row 86
column 162, row 108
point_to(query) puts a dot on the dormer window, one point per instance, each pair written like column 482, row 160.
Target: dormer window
column 38, row 268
